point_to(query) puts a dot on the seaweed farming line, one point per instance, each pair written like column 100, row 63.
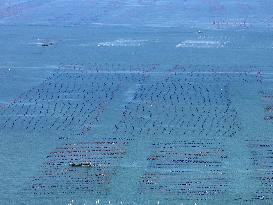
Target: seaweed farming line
column 146, row 74
column 107, row 66
column 266, row 95
column 84, row 152
column 262, row 157
column 182, row 120
column 46, row 92
column 11, row 67
column 104, row 156
column 181, row 72
column 17, row 99
column 98, row 154
column 149, row 105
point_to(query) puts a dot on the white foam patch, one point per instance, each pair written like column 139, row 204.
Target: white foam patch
column 122, row 43
column 200, row 44
column 49, row 43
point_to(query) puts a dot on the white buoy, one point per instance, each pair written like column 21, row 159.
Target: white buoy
column 157, row 202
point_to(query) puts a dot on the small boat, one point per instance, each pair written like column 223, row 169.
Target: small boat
column 47, row 44
column 88, row 164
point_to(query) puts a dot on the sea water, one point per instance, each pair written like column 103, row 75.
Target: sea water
column 167, row 112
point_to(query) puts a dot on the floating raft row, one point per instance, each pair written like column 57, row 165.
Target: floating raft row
column 186, row 170
column 70, row 101
column 261, row 151
column 181, row 105
column 183, row 119
column 59, row 177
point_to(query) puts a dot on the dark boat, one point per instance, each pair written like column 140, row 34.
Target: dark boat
column 80, row 164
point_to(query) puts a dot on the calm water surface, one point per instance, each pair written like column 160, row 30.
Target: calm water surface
column 167, row 107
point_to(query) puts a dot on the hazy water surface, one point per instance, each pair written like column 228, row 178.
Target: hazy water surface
column 168, row 107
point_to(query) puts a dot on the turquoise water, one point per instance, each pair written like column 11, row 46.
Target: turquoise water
column 168, row 107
